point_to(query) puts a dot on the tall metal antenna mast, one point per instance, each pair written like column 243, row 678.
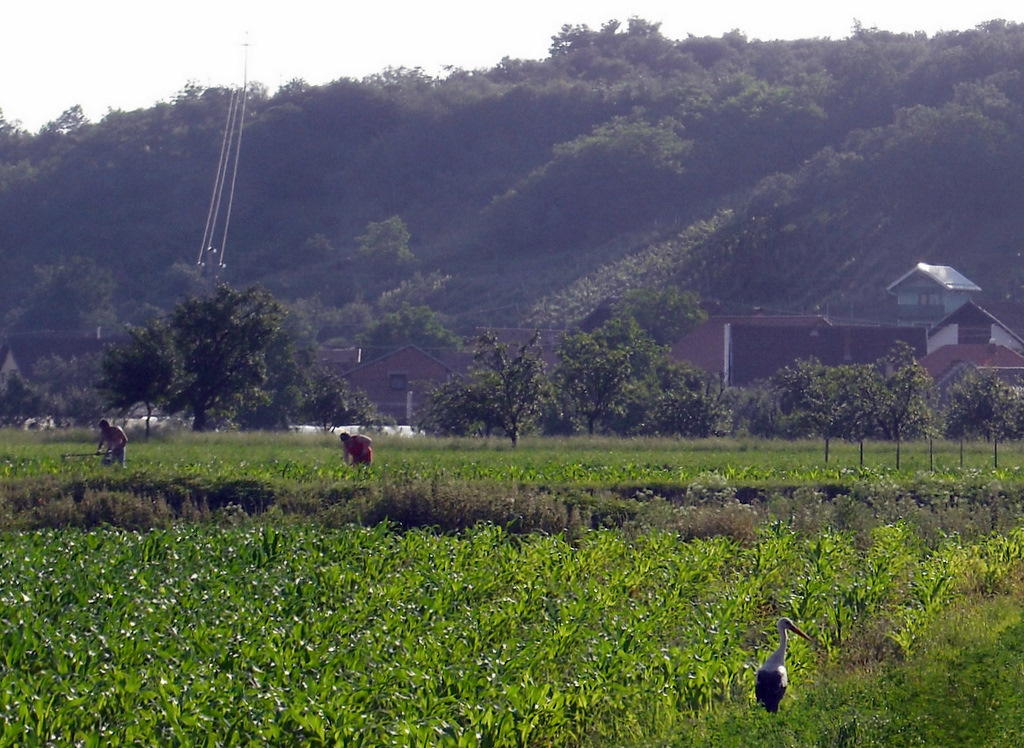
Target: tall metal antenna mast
column 210, row 258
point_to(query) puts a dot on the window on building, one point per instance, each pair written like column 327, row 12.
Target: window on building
column 929, row 298
column 398, row 381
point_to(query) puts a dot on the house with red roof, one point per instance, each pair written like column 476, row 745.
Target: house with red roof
column 950, row 362
column 983, row 336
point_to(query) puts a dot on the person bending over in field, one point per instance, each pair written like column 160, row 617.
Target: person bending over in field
column 115, row 440
column 357, row 448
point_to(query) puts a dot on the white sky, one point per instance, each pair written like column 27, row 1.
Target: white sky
column 131, row 54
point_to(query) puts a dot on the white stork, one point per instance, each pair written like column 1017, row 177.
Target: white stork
column 771, row 676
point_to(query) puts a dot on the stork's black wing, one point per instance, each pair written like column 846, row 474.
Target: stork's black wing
column 770, row 688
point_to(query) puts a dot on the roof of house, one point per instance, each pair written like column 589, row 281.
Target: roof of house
column 340, row 358
column 1007, row 314
column 761, row 345
column 404, row 353
column 943, row 275
column 940, row 362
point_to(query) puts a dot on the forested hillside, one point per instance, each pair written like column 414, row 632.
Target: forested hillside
column 800, row 175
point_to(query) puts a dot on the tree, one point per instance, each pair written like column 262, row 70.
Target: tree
column 69, row 387
column 685, row 404
column 68, row 122
column 901, row 396
column 410, row 325
column 459, row 408
column 221, row 344
column 513, row 383
column 754, row 410
column 981, row 405
column 386, row 241
column 329, row 402
column 634, row 172
column 591, row 376
column 666, row 314
column 140, row 371
column 856, row 415
column 280, row 398
column 635, row 409
column 19, row 401
column 830, row 402
column 72, row 295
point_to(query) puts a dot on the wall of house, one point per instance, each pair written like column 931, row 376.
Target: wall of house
column 953, row 334
column 1004, row 338
column 399, row 384
column 757, row 352
column 922, row 301
column 948, row 335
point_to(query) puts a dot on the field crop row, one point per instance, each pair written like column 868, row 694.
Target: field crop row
column 301, row 635
column 597, row 461
column 700, row 489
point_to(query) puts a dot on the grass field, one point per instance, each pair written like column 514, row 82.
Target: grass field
column 237, row 589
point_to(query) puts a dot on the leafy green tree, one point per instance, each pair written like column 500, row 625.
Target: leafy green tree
column 633, row 411
column 68, row 122
column 139, row 371
column 753, row 410
column 20, row 401
column 982, row 405
column 666, row 314
column 459, row 408
column 221, row 344
column 686, row 402
column 72, row 295
column 830, row 402
column 386, row 241
column 633, row 171
column 280, row 397
column 853, row 384
column 330, row 402
column 512, row 382
column 69, row 385
column 901, row 396
column 410, row 325
column 625, row 333
column 591, row 376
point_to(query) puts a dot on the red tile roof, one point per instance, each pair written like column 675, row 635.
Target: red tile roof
column 984, row 356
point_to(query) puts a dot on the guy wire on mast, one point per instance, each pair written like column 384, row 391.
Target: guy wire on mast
column 231, row 146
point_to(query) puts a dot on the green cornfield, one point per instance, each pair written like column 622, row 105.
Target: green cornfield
column 205, row 623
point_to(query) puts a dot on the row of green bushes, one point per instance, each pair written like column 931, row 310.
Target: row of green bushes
column 970, row 506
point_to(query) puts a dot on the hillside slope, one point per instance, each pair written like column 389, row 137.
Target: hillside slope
column 802, row 175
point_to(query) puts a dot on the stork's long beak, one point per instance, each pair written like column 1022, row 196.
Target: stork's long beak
column 798, row 632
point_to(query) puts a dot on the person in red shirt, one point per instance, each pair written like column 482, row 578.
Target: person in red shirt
column 357, row 447
column 115, row 440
